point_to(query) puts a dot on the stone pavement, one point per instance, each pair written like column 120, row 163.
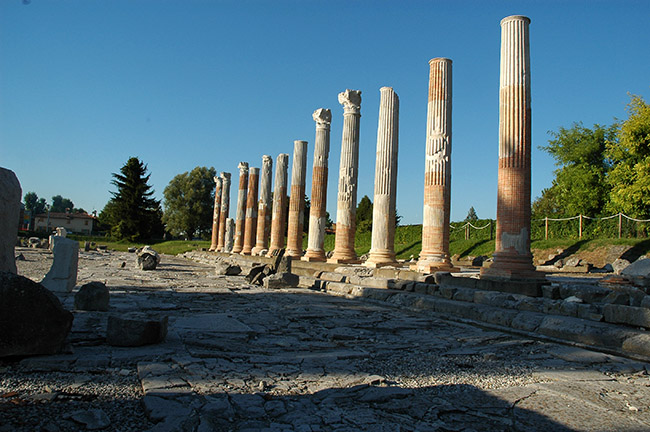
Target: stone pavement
column 238, row 357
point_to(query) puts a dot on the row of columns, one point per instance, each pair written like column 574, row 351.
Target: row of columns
column 255, row 221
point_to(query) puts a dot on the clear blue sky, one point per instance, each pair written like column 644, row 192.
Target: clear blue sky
column 85, row 84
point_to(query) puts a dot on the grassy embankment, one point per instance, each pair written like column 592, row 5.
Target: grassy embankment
column 407, row 242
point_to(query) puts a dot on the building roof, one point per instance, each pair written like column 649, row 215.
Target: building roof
column 67, row 216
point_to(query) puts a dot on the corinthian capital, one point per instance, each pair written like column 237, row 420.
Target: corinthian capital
column 322, row 117
column 351, row 101
column 243, row 168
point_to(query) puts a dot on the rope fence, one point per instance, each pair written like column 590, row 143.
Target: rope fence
column 593, row 227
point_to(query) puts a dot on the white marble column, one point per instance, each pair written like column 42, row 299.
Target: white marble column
column 437, row 171
column 279, row 204
column 240, row 218
column 297, row 200
column 264, row 208
column 318, row 210
column 346, row 208
column 229, row 235
column 512, row 256
column 382, row 251
column 225, row 209
column 216, row 212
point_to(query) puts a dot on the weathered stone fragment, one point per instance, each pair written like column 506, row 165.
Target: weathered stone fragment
column 10, row 196
column 62, row 276
column 32, row 319
column 227, row 269
column 93, row 296
column 135, row 329
column 281, row 280
column 148, row 259
column 638, row 272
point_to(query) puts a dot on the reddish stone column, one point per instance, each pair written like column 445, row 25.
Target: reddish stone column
column 263, row 208
column 437, row 171
column 279, row 204
column 225, row 209
column 318, row 210
column 382, row 251
column 297, row 200
column 216, row 212
column 240, row 217
column 512, row 256
column 346, row 208
column 250, row 226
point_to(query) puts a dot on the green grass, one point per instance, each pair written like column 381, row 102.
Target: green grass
column 171, row 247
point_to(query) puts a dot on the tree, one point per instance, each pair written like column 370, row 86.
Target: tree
column 364, row 215
column 61, row 205
column 580, row 185
column 471, row 215
column 34, row 205
column 629, row 179
column 189, row 203
column 132, row 213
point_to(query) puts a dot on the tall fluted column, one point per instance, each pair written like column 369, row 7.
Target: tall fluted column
column 263, row 210
column 279, row 204
column 225, row 209
column 241, row 208
column 512, row 256
column 250, row 226
column 297, row 200
column 437, row 171
column 382, row 251
column 346, row 208
column 318, row 210
column 216, row 212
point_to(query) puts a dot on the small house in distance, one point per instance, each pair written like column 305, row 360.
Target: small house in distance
column 78, row 223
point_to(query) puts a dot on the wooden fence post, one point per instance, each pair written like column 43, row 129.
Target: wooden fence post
column 546, row 228
column 580, row 227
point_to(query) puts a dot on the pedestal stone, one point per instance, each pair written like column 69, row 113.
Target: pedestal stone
column 346, row 207
column 318, row 210
column 264, row 208
column 241, row 208
column 62, row 276
column 382, row 251
column 225, row 209
column 279, row 205
column 437, row 171
column 10, row 197
column 251, row 211
column 512, row 256
column 297, row 200
column 218, row 181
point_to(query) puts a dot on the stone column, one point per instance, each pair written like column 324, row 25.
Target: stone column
column 318, row 210
column 297, row 200
column 250, row 227
column 279, row 204
column 263, row 209
column 229, row 236
column 437, row 171
column 346, row 208
column 382, row 251
column 238, row 244
column 216, row 213
column 512, row 256
column 225, row 209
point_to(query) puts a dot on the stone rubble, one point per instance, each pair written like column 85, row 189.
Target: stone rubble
column 239, row 357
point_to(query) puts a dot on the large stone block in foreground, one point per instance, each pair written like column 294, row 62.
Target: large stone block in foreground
column 9, row 213
column 135, row 329
column 62, row 276
column 32, row 319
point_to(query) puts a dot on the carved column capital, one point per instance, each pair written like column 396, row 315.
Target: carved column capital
column 243, row 168
column 322, row 117
column 351, row 101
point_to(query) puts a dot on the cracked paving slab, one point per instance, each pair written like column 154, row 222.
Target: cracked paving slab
column 238, row 357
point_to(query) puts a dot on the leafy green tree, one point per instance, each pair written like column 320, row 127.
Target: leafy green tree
column 189, row 203
column 471, row 215
column 580, row 184
column 34, row 205
column 61, row 205
column 132, row 213
column 629, row 179
column 364, row 215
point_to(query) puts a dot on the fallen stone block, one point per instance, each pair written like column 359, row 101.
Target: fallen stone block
column 254, row 273
column 332, row 276
column 135, row 329
column 33, row 321
column 148, row 259
column 619, row 265
column 93, row 296
column 227, row 269
column 281, row 280
column 10, row 197
column 638, row 272
column 62, row 276
column 634, row 316
column 637, row 344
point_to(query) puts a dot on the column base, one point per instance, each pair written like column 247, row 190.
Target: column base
column 381, row 258
column 212, row 249
column 430, row 268
column 509, row 266
column 373, row 264
column 314, row 257
column 293, row 254
column 342, row 260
